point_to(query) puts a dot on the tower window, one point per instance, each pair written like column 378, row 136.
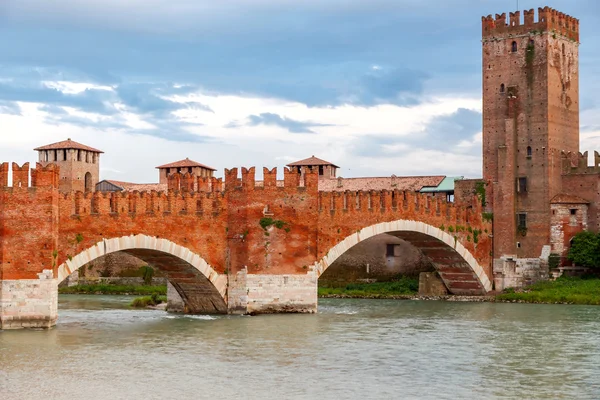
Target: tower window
column 514, row 47
column 502, row 88
column 522, row 221
column 573, row 211
column 321, row 171
column 522, row 185
column 528, row 151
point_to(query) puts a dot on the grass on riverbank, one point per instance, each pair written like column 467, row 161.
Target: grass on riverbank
column 564, row 290
column 114, row 289
column 145, row 301
column 404, row 286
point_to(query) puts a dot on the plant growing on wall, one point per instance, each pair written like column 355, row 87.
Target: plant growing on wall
column 267, row 222
column 480, row 192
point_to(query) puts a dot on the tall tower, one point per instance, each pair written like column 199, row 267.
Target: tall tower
column 79, row 164
column 530, row 115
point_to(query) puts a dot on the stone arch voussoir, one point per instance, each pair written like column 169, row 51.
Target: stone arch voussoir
column 403, row 226
column 132, row 242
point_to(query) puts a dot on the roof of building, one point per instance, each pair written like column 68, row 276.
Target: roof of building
column 184, row 164
column 310, row 162
column 140, row 187
column 68, row 144
column 409, row 183
column 564, row 198
column 447, row 185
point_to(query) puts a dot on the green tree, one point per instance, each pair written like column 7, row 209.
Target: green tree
column 585, row 249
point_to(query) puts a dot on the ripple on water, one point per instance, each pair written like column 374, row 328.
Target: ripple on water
column 351, row 349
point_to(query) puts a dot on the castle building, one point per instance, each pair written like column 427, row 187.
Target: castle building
column 184, row 166
column 326, row 169
column 530, row 135
column 79, row 164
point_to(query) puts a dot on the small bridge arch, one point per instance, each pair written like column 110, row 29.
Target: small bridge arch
column 458, row 268
column 202, row 289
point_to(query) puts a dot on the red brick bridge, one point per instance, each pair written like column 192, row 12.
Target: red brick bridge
column 238, row 246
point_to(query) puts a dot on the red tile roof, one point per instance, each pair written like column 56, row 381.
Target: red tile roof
column 68, row 144
column 564, row 198
column 140, row 187
column 310, row 162
column 409, row 183
column 184, row 164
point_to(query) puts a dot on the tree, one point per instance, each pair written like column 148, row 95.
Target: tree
column 585, row 249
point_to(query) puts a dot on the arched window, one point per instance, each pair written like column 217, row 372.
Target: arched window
column 88, row 182
column 528, row 151
column 502, row 88
column 514, row 47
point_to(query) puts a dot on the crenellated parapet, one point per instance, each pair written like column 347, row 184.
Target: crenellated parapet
column 577, row 163
column 136, row 203
column 549, row 20
column 292, row 179
column 41, row 176
column 405, row 204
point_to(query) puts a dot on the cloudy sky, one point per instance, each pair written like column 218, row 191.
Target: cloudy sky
column 378, row 87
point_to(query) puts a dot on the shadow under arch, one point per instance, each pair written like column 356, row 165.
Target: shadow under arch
column 202, row 289
column 457, row 267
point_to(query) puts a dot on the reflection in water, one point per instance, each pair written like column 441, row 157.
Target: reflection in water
column 352, row 349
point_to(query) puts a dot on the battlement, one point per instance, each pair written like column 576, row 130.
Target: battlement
column 404, row 202
column 47, row 176
column 577, row 163
column 292, row 179
column 141, row 203
column 549, row 20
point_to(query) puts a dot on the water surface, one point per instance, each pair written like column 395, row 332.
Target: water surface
column 352, row 349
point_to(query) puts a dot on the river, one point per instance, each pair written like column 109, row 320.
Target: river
column 352, row 349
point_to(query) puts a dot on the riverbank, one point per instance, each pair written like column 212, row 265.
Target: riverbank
column 564, row 290
column 561, row 291
column 403, row 288
column 107, row 289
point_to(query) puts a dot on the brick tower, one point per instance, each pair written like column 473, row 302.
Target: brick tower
column 530, row 115
column 79, row 164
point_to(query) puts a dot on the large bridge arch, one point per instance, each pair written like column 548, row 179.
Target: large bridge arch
column 458, row 268
column 202, row 289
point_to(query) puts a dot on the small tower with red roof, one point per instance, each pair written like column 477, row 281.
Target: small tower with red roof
column 79, row 164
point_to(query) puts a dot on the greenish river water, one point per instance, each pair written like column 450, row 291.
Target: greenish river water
column 352, row 349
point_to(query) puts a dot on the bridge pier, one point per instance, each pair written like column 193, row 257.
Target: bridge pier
column 29, row 303
column 270, row 294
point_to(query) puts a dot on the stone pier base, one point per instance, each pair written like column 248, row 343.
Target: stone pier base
column 269, row 294
column 174, row 301
column 430, row 284
column 29, row 303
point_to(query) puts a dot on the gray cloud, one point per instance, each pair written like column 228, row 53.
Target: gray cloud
column 292, row 125
column 443, row 133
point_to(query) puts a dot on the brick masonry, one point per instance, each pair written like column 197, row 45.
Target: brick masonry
column 202, row 240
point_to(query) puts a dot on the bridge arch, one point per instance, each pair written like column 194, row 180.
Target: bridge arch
column 202, row 289
column 457, row 267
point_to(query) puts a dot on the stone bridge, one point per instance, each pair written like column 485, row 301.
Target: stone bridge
column 238, row 246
